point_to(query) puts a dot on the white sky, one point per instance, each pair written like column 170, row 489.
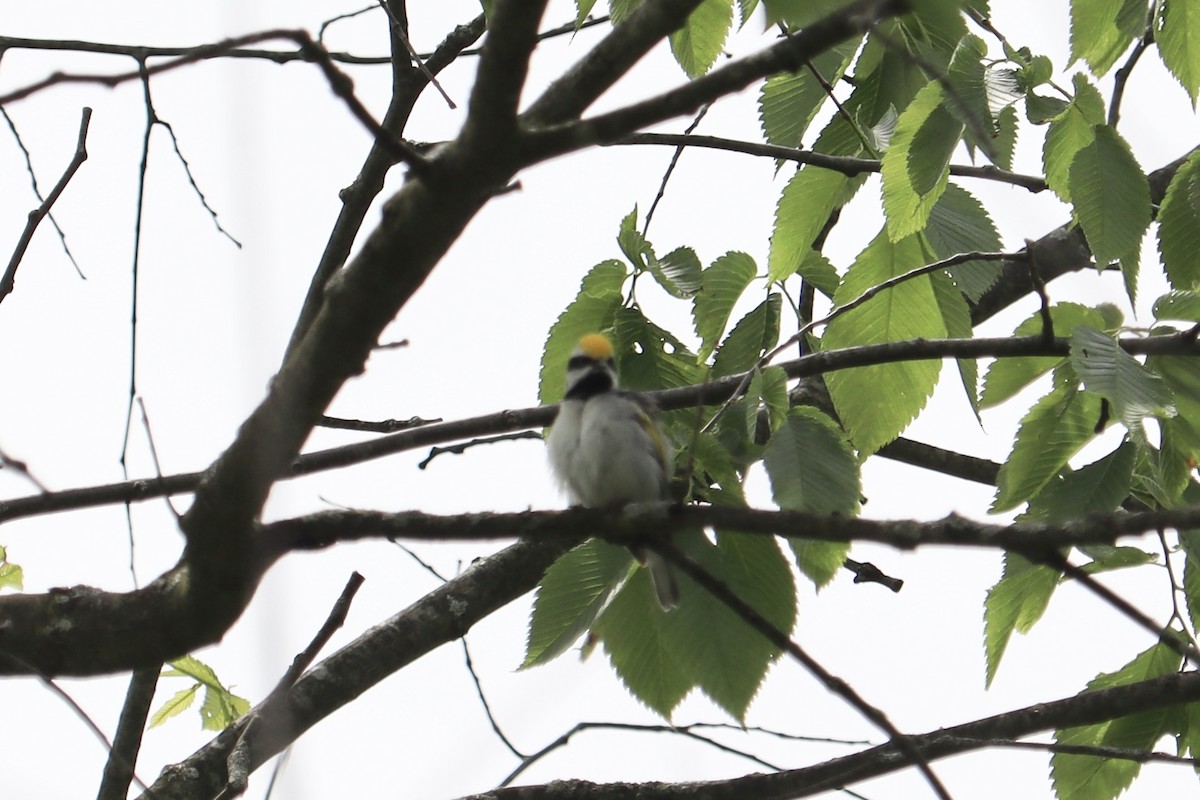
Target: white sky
column 270, row 148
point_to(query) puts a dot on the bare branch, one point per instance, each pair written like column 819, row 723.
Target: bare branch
column 118, row 771
column 7, row 280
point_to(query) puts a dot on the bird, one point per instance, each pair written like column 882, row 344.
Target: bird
column 607, row 450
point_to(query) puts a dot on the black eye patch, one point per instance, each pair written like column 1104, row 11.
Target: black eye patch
column 582, row 362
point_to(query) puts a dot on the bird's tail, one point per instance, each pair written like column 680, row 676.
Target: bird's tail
column 663, row 578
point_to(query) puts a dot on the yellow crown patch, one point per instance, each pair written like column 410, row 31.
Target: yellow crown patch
column 596, row 346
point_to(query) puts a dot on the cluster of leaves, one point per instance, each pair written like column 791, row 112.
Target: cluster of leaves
column 221, row 707
column 924, row 88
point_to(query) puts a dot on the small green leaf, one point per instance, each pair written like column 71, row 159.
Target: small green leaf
column 570, row 597
column 817, row 270
column 582, row 9
column 592, row 310
column 1111, row 196
column 1050, row 434
column 1179, row 227
column 1096, row 778
column 1071, row 131
column 754, row 335
column 768, row 390
column 11, row 576
column 678, row 272
column 1107, row 370
column 698, row 43
column 957, row 318
column 649, row 357
column 191, row 667
column 1015, row 603
column 1179, row 43
column 720, row 287
column 788, row 101
column 1100, row 486
column 181, row 702
column 221, row 708
column 1182, row 304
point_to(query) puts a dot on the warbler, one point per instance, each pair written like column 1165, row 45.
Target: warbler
column 607, row 450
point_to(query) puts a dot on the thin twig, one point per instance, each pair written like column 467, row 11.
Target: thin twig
column 379, row 426
column 399, row 31
column 666, row 178
column 1123, row 74
column 187, row 170
column 154, row 453
column 847, row 165
column 118, row 770
column 462, row 447
column 7, row 281
column 487, row 709
column 37, row 191
column 22, row 469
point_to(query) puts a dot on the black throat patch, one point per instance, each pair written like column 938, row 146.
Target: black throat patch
column 595, row 382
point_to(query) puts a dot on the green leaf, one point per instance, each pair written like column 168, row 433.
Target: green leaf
column 720, row 287
column 812, row 468
column 11, row 576
column 957, row 224
column 592, row 310
column 582, row 9
column 1007, row 376
column 1179, row 227
column 746, row 9
column 1071, row 131
column 768, row 390
column 916, row 164
column 754, row 335
column 1095, row 778
column 221, row 708
column 788, row 101
column 570, row 597
column 1101, row 30
column 726, row 657
column 1107, row 370
column 1100, row 486
column 678, row 272
column 1178, row 41
column 631, row 630
column 1111, row 196
column 816, row 269
column 191, row 667
column 1190, row 540
column 1051, row 433
column 1015, row 603
column 649, row 357
column 800, row 13
column 804, row 206
column 698, row 43
column 181, row 702
column 1182, row 304
column 876, row 403
column 957, row 318
column 713, row 462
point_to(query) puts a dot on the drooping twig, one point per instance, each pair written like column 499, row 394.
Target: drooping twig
column 487, row 709
column 7, row 281
column 666, row 178
column 187, row 170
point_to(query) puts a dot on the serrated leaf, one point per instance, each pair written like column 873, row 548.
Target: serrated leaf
column 906, row 311
column 191, row 667
column 970, row 102
column 1180, row 304
column 1015, row 603
column 1040, row 109
column 1191, row 575
column 221, row 708
column 582, row 9
column 649, row 357
column 788, row 101
column 768, row 391
column 817, row 270
column 592, row 310
column 916, row 164
column 726, row 657
column 1179, row 227
column 746, row 9
column 1072, row 130
column 957, row 224
column 1111, row 196
column 1007, row 376
column 956, row 316
column 1094, row 778
column 1107, row 557
column 1100, row 486
column 720, row 287
column 754, row 335
column 678, row 272
column 713, row 462
column 804, row 206
column 631, row 630
column 1051, row 433
column 1101, row 30
column 570, row 597
column 180, row 702
column 698, row 43
column 1105, row 369
column 1178, row 41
